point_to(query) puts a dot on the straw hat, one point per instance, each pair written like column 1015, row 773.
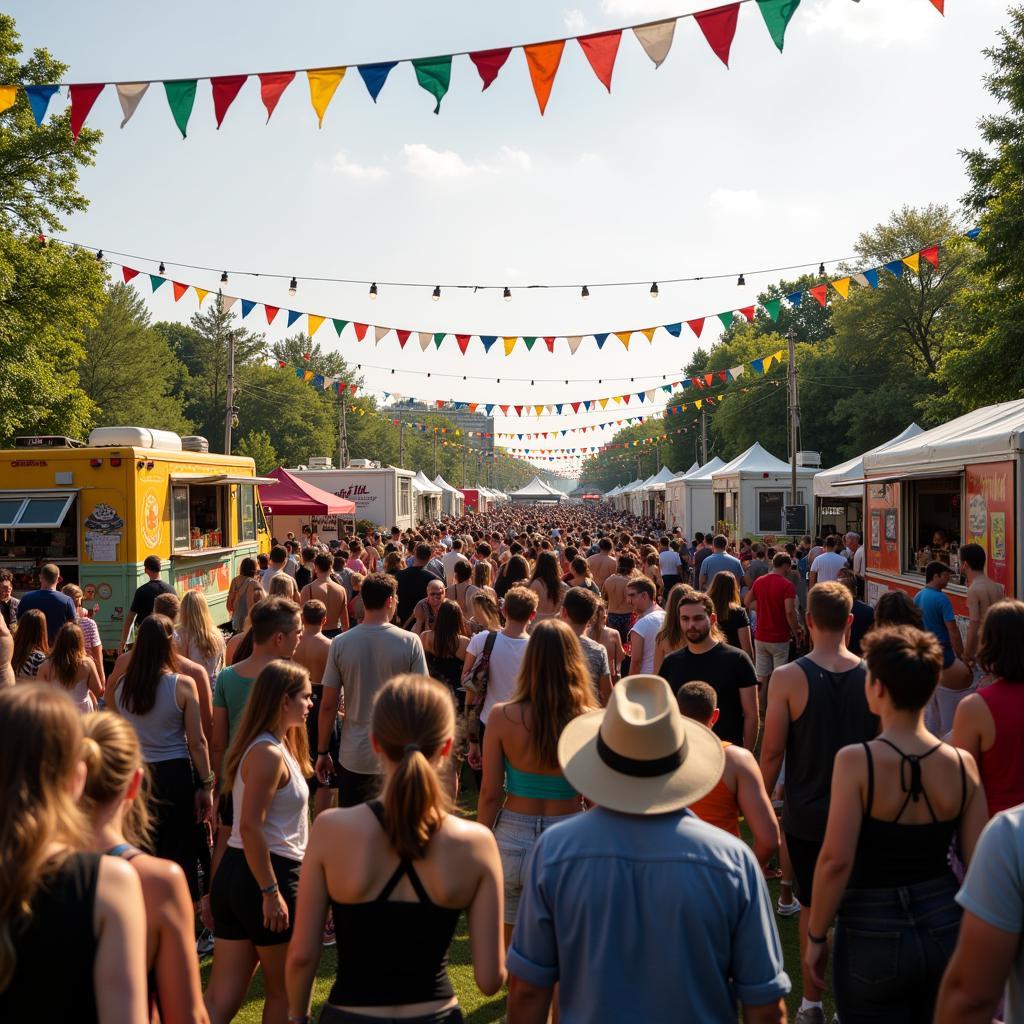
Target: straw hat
column 639, row 755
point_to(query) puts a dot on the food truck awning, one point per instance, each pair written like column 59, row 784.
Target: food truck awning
column 294, row 496
column 893, row 478
column 220, row 478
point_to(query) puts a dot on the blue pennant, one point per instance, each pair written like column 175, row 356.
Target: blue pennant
column 796, row 298
column 292, row 316
column 872, row 277
column 247, row 307
column 375, row 75
column 757, row 365
column 973, row 233
column 895, row 268
column 674, row 329
column 600, row 339
column 488, row 340
column 318, row 381
column 488, row 408
column 39, row 97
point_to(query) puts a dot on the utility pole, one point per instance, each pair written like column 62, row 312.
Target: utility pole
column 231, row 413
column 342, row 430
column 435, row 453
column 794, row 414
column 465, row 453
column 401, row 443
column 639, row 475
column 703, row 435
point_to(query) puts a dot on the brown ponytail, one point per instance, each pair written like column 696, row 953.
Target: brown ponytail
column 413, row 718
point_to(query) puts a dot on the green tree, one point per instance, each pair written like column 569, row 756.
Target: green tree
column 301, row 350
column 258, row 447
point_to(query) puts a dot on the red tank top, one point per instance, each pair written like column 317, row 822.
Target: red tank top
column 1002, row 766
column 719, row 807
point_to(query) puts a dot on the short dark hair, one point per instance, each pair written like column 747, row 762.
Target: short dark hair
column 697, row 700
column 935, row 568
column 376, row 589
column 152, row 563
column 906, row 661
column 463, row 570
column 272, row 615
column 308, row 554
column 314, row 612
column 642, row 585
column 1001, row 651
column 278, row 553
column 781, row 560
column 973, row 556
column 324, row 563
column 423, row 552
column 520, row 604
column 605, row 544
column 49, row 572
column 626, row 564
column 580, row 605
column 698, row 537
column 720, row 542
column 894, row 608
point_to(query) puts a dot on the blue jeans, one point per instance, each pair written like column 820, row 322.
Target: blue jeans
column 891, row 947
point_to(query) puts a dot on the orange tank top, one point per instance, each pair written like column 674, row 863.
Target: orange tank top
column 719, row 807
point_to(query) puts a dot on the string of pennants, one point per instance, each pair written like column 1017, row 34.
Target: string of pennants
column 821, row 293
column 433, row 74
column 704, row 381
column 587, row 452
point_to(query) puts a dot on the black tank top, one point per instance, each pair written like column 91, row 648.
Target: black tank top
column 890, row 854
column 393, row 951
column 57, row 944
column 836, row 715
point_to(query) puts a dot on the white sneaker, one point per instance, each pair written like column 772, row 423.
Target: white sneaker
column 810, row 1015
column 204, row 944
column 787, row 909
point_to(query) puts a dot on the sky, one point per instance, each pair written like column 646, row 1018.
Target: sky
column 686, row 170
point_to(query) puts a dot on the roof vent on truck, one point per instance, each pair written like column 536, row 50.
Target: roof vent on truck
column 195, row 443
column 47, row 441
column 135, row 437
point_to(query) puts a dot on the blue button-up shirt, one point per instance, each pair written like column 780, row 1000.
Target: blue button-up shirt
column 656, row 918
column 720, row 561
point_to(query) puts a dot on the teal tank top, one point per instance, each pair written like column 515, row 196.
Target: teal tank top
column 537, row 786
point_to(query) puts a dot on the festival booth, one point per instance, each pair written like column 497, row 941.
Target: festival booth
column 928, row 494
column 298, row 503
column 635, row 496
column 839, row 504
column 428, row 497
column 698, row 507
column 382, row 494
column 751, row 492
column 653, row 503
column 674, row 490
column 621, row 499
column 535, row 492
column 452, row 501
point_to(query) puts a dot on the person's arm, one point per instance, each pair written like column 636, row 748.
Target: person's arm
column 835, row 862
column 755, row 806
column 975, row 814
column 219, row 738
column 197, row 748
column 343, row 615
column 967, row 733
column 746, row 642
column 229, row 603
column 119, row 923
column 198, row 674
column 419, row 619
column 493, row 769
column 749, row 600
column 776, row 728
column 94, row 684
column 812, row 578
column 955, row 640
column 263, row 766
column 307, row 936
column 794, row 622
column 95, row 653
column 484, row 917
column 974, row 628
column 976, row 976
column 751, row 716
column 604, row 687
column 528, row 1003
column 326, row 718
column 6, row 653
column 636, row 652
column 126, row 629
column 769, row 1013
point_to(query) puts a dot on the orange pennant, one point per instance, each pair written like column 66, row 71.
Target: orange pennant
column 624, row 336
column 179, row 289
column 543, row 60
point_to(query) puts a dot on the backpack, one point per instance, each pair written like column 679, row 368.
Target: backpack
column 476, row 682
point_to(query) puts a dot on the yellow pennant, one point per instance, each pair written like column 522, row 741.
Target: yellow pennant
column 8, row 94
column 538, row 409
column 510, row 343
column 308, row 375
column 842, row 286
column 648, row 332
column 322, row 84
column 602, row 402
column 768, row 362
column 202, row 293
column 698, row 403
column 314, row 324
column 914, row 262
column 623, row 336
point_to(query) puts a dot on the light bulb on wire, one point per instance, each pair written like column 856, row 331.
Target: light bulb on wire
column 373, row 290
column 821, row 270
column 293, row 286
column 654, row 290
column 507, row 294
column 224, row 277
column 161, row 269
column 584, row 292
column 741, row 282
column 436, row 293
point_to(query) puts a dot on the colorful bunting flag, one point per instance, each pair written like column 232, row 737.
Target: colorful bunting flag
column 648, row 333
column 179, row 289
column 271, row 312
column 549, row 342
column 574, row 342
column 379, row 333
column 872, row 277
column 439, row 336
column 895, row 268
column 772, row 308
column 181, row 96
column 272, row 85
column 820, row 292
column 375, row 75
column 127, row 273
column 403, row 337
column 601, row 339
column 225, row 90
column 425, row 340
column 462, row 340
column 489, row 63
column 842, row 286
column 777, row 14
column 726, row 319
column 8, row 96
column 656, row 39
column 600, row 50
column 914, row 262
column 226, row 302
column 201, row 294
column 39, row 97
column 674, row 329
column 529, row 343
column 748, row 312
column 795, row 298
column 293, row 315
column 543, row 60
column 82, row 99
column 360, row 330
column 247, row 307
column 156, row 281
column 624, row 336
column 339, row 325
column 487, row 340
column 696, row 325
column 719, row 28
column 322, row 84
column 129, row 95
column 434, row 74
column 931, row 254
column 314, row 323
column 510, row 343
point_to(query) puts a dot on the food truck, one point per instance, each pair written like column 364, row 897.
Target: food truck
column 98, row 509
column 925, row 496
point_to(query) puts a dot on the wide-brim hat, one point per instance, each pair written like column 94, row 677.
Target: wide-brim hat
column 640, row 755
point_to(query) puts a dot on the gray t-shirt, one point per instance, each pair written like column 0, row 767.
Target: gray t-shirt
column 994, row 891
column 596, row 657
column 361, row 661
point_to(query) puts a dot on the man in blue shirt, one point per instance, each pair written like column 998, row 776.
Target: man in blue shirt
column 638, row 909
column 937, row 612
column 719, row 561
column 57, row 607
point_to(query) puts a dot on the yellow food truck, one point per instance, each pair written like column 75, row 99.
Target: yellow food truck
column 98, row 509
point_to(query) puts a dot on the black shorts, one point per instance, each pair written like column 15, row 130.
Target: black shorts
column 332, row 746
column 332, row 633
column 225, row 810
column 803, row 855
column 355, row 788
column 237, row 903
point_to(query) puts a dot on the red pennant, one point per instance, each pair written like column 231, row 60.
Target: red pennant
column 550, row 342
column 940, row 6
column 440, row 403
column 82, row 99
column 748, row 312
column 696, row 326
column 719, row 27
column 179, row 289
column 489, row 63
column 225, row 89
column 271, row 312
column 820, row 293
column 403, row 337
column 360, row 331
column 601, row 49
column 519, row 410
column 353, row 387
column 575, row 406
column 504, row 409
column 709, row 378
column 723, row 376
column 931, row 254
column 281, row 363
column 128, row 274
column 463, row 340
column 272, row 85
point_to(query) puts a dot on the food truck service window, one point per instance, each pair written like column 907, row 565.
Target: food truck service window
column 246, row 513
column 933, row 516
column 36, row 528
column 198, row 511
column 770, row 509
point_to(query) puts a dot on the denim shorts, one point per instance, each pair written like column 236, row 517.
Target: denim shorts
column 516, row 835
column 891, row 947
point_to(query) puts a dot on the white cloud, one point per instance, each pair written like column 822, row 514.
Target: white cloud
column 640, row 8
column 574, row 20
column 422, row 161
column 358, row 172
column 727, row 200
column 879, row 24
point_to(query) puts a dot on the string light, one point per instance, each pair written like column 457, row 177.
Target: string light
column 436, row 293
column 162, row 269
column 507, row 294
column 821, row 270
column 293, row 286
column 741, row 282
column 99, row 255
column 584, row 292
column 373, row 290
column 224, row 277
column 654, row 290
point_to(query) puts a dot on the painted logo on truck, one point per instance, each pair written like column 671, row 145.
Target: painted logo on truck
column 150, row 521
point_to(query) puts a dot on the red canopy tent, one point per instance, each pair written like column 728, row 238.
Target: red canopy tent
column 291, row 496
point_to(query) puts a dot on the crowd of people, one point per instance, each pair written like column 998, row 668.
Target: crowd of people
column 594, row 737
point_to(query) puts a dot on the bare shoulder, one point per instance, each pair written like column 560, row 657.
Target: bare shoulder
column 161, row 879
column 851, row 759
column 785, row 678
column 741, row 759
column 474, row 839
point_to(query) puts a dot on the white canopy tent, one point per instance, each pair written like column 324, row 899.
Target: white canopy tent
column 829, row 482
column 653, row 503
column 674, row 498
column 697, row 504
column 536, row 491
column 452, row 501
column 428, row 497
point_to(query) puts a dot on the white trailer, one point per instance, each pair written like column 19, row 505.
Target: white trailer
column 383, row 495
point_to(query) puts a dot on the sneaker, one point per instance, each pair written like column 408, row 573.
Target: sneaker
column 329, row 938
column 787, row 909
column 204, row 944
column 810, row 1015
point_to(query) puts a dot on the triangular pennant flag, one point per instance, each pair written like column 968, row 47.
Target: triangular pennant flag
column 914, row 262
column 314, row 323
column 736, row 372
column 624, row 337
column 201, row 293
column 489, row 63
column 895, row 268
column 940, row 6
column 379, row 333
column 861, row 279
column 768, row 362
column 39, row 97
column 574, row 342
column 772, row 308
column 575, row 406
column 538, row 409
column 308, row 375
column 403, row 337
column 82, row 99
column 425, row 340
column 529, row 343
column 931, row 254
column 601, row 49
column 435, row 75
column 318, row 381
column 708, row 379
column 179, row 289
column 504, row 408
column 719, row 27
column 696, row 325
column 543, row 60
column 360, row 330
column 518, row 409
column 600, row 339
column 820, row 292
column 226, row 302
column 487, row 340
column 225, row 89
column 748, row 312
column 181, row 95
column 698, row 403
column 656, row 39
column 842, row 286
column 375, row 75
column 603, row 402
column 129, row 95
column 550, row 342
column 272, row 85
column 795, row 298
column 339, row 326
column 322, row 84
column 871, row 276
column 510, row 343
column 271, row 312
column 757, row 365
column 776, row 14
column 438, row 338
column 648, row 333
column 674, row 329
column 247, row 307
column 127, row 273
column 293, row 316
column 8, row 97
column 726, row 319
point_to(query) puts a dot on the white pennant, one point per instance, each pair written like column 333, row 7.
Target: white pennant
column 379, row 333
column 736, row 372
column 130, row 94
column 862, row 280
column 574, row 342
column 651, row 394
column 656, row 39
column 425, row 340
column 226, row 302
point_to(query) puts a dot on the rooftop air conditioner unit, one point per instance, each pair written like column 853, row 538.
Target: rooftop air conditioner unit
column 135, row 437
column 809, row 460
column 194, row 443
column 320, row 462
column 363, row 464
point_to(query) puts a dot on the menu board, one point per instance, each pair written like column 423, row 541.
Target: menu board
column 882, row 513
column 991, row 517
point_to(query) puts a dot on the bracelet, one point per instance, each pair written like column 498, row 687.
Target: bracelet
column 818, row 940
column 270, row 889
column 207, row 783
column 301, row 1019
column 321, row 753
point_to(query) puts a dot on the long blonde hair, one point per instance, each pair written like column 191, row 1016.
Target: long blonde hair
column 555, row 682
column 413, row 718
column 262, row 714
column 42, row 746
column 112, row 757
column 485, row 611
column 671, row 632
column 195, row 626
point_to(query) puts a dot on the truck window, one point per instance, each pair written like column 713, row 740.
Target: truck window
column 246, row 513
column 404, row 488
column 50, row 534
column 180, row 518
column 933, row 517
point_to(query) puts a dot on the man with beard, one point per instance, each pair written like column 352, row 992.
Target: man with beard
column 708, row 658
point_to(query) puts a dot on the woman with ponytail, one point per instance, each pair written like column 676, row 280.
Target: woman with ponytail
column 72, row 925
column 114, row 800
column 398, row 872
column 69, row 665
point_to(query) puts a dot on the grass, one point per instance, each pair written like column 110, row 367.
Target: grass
column 479, row 1009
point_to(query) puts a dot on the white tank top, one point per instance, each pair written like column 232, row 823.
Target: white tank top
column 286, row 827
column 79, row 693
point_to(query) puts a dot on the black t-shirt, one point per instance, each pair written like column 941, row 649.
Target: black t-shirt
column 146, row 595
column 738, row 618
column 724, row 668
column 863, row 620
column 412, row 588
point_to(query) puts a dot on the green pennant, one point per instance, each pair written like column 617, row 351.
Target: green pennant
column 773, row 306
column 339, row 325
column 156, row 281
column 726, row 319
column 181, row 95
column 438, row 338
column 776, row 14
column 529, row 342
column 434, row 74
